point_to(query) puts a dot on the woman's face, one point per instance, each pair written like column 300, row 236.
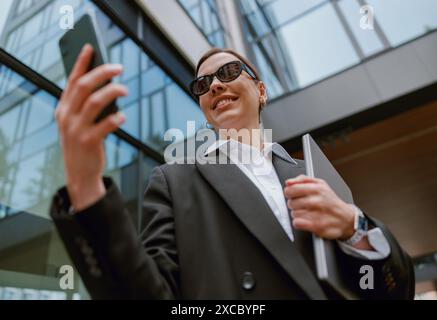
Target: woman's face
column 241, row 97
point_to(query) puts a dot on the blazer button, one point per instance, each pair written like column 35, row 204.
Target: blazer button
column 95, row 272
column 248, row 281
column 91, row 261
column 87, row 250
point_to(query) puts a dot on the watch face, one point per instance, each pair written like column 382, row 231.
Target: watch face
column 362, row 223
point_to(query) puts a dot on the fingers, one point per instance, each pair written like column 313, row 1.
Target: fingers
column 80, row 67
column 299, row 179
column 307, row 220
column 89, row 82
column 304, row 179
column 82, row 63
column 303, row 224
column 106, row 126
column 301, row 190
column 304, row 203
column 99, row 100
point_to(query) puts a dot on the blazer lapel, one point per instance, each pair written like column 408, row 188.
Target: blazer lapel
column 249, row 205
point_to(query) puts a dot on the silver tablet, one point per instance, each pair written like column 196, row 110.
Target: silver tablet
column 327, row 266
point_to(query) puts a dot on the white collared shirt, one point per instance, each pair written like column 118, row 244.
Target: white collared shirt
column 258, row 167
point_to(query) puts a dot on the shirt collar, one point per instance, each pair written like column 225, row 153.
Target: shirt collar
column 274, row 147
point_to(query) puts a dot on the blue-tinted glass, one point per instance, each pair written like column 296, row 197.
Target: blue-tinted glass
column 404, row 20
column 206, row 27
column 32, row 28
column 119, row 154
column 152, row 80
column 8, row 124
column 146, row 62
column 248, row 6
column 146, row 119
column 131, row 59
column 134, row 91
column 274, row 87
column 367, row 39
column 305, row 41
column 259, row 24
column 42, row 54
column 41, row 111
column 31, row 170
column 159, row 117
column 329, row 50
column 131, row 125
column 281, row 11
column 27, row 180
column 206, row 17
column 47, row 57
column 115, row 54
column 181, row 109
column 196, row 14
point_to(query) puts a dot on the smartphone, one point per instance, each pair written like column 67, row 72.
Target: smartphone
column 85, row 31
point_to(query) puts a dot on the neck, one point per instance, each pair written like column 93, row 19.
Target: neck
column 248, row 135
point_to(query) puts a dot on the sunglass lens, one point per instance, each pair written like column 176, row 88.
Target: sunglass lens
column 229, row 71
column 201, row 86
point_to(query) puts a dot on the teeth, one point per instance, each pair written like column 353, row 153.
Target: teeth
column 222, row 102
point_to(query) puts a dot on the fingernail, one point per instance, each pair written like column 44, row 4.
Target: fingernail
column 116, row 67
column 120, row 118
column 85, row 47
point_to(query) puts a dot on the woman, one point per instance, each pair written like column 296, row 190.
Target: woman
column 211, row 231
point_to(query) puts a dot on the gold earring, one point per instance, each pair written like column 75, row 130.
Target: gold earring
column 263, row 101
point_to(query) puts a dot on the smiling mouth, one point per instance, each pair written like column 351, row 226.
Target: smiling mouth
column 223, row 103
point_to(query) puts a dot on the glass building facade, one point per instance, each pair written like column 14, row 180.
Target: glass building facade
column 295, row 43
column 31, row 165
column 298, row 43
column 205, row 14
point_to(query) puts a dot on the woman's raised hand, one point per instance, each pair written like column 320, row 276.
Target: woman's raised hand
column 82, row 139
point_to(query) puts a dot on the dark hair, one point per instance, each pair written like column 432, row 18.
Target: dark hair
column 214, row 51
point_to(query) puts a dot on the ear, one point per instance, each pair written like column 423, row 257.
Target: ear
column 262, row 89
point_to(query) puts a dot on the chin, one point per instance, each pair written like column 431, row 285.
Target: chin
column 228, row 125
column 234, row 118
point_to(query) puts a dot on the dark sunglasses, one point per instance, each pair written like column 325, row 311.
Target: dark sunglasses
column 226, row 73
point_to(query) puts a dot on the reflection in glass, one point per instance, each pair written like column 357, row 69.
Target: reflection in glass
column 281, row 11
column 402, row 21
column 206, row 16
column 35, row 43
column 328, row 51
column 31, row 170
column 367, row 39
column 296, row 43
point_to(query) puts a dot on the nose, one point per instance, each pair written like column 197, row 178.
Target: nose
column 217, row 86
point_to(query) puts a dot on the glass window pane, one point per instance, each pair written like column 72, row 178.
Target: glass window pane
column 141, row 75
column 274, row 87
column 367, row 39
column 281, row 11
column 181, row 108
column 404, row 20
column 206, row 16
column 328, row 50
column 31, row 170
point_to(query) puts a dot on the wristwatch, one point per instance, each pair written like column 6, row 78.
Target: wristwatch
column 361, row 226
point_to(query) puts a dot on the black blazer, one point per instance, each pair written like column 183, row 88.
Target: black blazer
column 207, row 233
